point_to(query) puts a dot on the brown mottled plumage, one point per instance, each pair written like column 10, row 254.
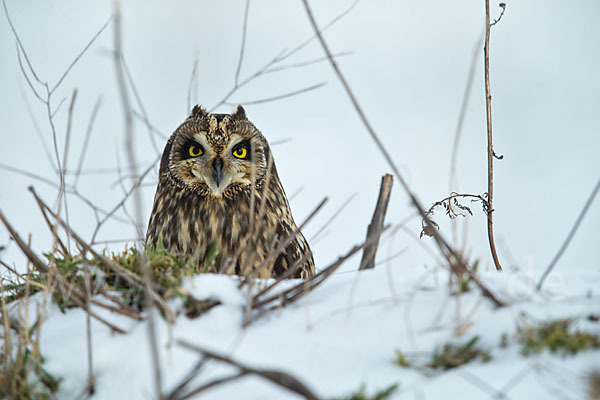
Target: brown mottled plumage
column 204, row 199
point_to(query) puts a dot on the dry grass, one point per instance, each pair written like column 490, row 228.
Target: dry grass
column 22, row 375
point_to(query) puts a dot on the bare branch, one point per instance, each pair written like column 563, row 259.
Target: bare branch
column 279, row 378
column 565, row 244
column 61, row 193
column 503, row 7
column 140, row 104
column 37, row 129
column 315, row 36
column 243, row 47
column 87, row 46
column 28, row 174
column 191, row 84
column 209, row 385
column 20, row 45
column 22, row 68
column 332, row 218
column 270, row 66
column 305, row 63
column 294, row 293
column 281, row 96
column 454, row 260
column 121, row 202
column 88, row 134
column 490, row 146
column 376, row 225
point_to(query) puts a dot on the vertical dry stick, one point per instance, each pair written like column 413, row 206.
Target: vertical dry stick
column 376, row 225
column 490, row 147
column 61, row 193
column 137, row 198
column 88, row 327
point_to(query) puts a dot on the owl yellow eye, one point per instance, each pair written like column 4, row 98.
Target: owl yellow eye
column 240, row 152
column 195, row 151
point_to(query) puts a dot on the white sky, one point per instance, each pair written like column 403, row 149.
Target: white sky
column 408, row 67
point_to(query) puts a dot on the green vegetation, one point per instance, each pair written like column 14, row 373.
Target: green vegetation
column 401, row 359
column 166, row 272
column 452, row 355
column 504, row 340
column 558, row 336
column 22, row 376
column 361, row 393
column 448, row 356
column 465, row 282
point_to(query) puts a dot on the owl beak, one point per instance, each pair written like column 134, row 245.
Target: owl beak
column 217, row 171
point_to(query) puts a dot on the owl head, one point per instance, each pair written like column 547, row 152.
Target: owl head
column 216, row 155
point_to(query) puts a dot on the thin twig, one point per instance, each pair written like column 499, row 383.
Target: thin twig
column 20, row 45
column 138, row 99
column 61, row 194
column 281, row 96
column 332, row 218
column 87, row 46
column 88, row 134
column 209, row 385
column 175, row 393
column 121, row 202
column 565, row 244
column 295, row 292
column 37, row 128
column 328, row 25
column 28, row 174
column 503, row 7
column 243, row 47
column 191, row 85
column 270, row 66
column 306, row 63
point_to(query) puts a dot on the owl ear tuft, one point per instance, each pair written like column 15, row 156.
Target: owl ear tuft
column 239, row 113
column 198, row 112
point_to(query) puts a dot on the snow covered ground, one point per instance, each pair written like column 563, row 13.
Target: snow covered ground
column 342, row 335
column 408, row 63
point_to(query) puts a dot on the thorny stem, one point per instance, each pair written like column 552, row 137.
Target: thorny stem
column 490, row 146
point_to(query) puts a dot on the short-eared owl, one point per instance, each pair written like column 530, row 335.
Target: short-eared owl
column 219, row 204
